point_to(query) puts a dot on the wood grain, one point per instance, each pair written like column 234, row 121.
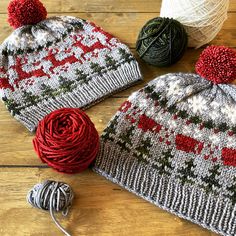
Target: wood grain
column 16, row 141
column 126, row 26
column 102, row 5
column 99, row 208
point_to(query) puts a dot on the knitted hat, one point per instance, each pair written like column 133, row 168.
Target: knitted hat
column 174, row 143
column 46, row 64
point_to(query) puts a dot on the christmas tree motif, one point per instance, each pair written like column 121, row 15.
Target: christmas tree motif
column 223, row 127
column 149, row 89
column 163, row 102
column 96, row 68
column 183, row 114
column 47, row 91
column 65, row 85
column 30, row 98
column 211, row 180
column 172, row 109
column 195, row 120
column 48, row 44
column 11, row 105
column 232, row 190
column 208, row 124
column 110, row 62
column 82, row 77
column 125, row 55
column 40, row 47
column 126, row 138
column 186, row 172
column 111, row 129
column 164, row 163
column 143, row 150
column 20, row 51
column 156, row 97
column 77, row 25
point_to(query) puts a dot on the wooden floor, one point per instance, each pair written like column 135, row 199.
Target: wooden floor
column 100, row 207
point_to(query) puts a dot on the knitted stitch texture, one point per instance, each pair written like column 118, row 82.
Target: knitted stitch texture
column 173, row 143
column 61, row 62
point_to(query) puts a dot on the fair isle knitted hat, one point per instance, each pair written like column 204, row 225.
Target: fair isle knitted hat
column 47, row 64
column 174, row 143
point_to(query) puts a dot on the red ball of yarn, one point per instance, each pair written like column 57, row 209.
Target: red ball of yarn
column 25, row 12
column 66, row 139
column 217, row 64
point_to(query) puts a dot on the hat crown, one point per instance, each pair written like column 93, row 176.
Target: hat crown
column 197, row 96
column 33, row 37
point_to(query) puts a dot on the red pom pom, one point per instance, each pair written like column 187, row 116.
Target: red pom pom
column 217, row 64
column 67, row 140
column 25, row 12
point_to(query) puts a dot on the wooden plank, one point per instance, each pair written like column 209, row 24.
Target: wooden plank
column 102, row 5
column 126, row 26
column 93, row 211
column 99, row 208
column 16, row 141
column 232, row 5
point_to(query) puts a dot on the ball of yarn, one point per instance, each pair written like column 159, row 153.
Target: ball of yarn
column 25, row 12
column 52, row 196
column 161, row 42
column 66, row 139
column 217, row 64
column 202, row 19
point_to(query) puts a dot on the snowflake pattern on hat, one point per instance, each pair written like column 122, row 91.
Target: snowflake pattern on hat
column 167, row 148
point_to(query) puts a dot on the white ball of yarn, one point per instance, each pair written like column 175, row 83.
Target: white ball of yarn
column 202, row 19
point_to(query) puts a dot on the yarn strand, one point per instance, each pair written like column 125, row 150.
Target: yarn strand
column 52, row 212
column 53, row 196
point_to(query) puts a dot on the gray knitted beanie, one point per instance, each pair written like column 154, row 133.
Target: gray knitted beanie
column 174, row 143
column 59, row 62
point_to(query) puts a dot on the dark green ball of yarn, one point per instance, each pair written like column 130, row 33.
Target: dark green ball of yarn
column 162, row 41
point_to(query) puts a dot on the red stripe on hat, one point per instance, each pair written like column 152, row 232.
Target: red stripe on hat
column 188, row 144
column 229, row 156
